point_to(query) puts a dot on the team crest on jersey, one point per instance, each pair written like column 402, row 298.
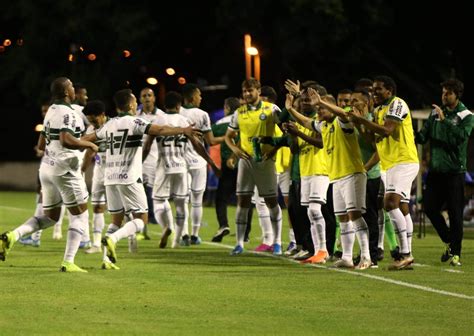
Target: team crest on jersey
column 262, row 116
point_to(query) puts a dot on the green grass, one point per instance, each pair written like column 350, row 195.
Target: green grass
column 202, row 290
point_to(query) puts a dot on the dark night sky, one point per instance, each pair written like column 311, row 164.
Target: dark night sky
column 418, row 43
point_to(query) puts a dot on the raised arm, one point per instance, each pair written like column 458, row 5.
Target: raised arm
column 300, row 118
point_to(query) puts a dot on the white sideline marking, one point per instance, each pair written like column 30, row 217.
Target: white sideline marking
column 15, row 209
column 362, row 274
column 452, row 271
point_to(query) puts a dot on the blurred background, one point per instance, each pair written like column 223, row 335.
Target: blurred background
column 107, row 45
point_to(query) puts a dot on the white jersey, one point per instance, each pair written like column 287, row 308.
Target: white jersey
column 149, row 165
column 123, row 136
column 99, row 159
column 202, row 122
column 58, row 160
column 172, row 149
column 78, row 109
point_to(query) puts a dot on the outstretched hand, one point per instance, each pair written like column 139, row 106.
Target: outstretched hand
column 292, row 87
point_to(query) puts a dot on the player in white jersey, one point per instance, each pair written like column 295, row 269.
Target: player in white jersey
column 61, row 178
column 172, row 169
column 95, row 111
column 197, row 166
column 149, row 111
column 123, row 170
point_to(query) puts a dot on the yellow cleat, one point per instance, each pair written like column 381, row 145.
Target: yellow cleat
column 7, row 240
column 70, row 267
column 110, row 246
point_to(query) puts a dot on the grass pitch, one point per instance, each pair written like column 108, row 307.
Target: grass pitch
column 201, row 290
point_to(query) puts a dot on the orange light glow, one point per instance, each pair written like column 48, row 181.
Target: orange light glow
column 182, row 80
column 39, row 127
column 152, row 80
column 7, row 42
column 126, row 53
column 91, row 57
column 170, row 71
column 70, row 57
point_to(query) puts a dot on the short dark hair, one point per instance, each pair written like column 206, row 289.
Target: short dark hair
column 251, row 83
column 94, row 107
column 363, row 83
column 232, row 102
column 172, row 99
column 269, row 92
column 388, row 83
column 321, row 90
column 344, row 91
column 122, row 98
column 363, row 91
column 454, row 85
column 188, row 90
column 57, row 87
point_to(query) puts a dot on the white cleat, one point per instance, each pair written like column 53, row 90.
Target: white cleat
column 93, row 249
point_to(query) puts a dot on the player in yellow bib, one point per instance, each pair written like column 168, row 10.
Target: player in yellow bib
column 392, row 133
column 253, row 120
column 346, row 172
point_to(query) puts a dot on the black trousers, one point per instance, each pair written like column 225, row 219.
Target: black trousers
column 330, row 219
column 225, row 190
column 371, row 215
column 446, row 191
column 299, row 218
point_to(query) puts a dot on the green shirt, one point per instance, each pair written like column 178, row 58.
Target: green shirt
column 219, row 129
column 448, row 139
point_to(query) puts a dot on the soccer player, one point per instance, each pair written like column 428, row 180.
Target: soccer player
column 392, row 133
column 123, row 170
column 253, row 120
column 149, row 111
column 346, row 172
column 95, row 113
column 60, row 175
column 197, row 166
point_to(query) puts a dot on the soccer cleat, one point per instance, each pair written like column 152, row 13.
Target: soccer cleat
column 195, row 240
column 343, row 263
column 93, row 249
column 107, row 265
column 447, row 253
column 455, row 261
column 263, row 248
column 338, row 254
column 29, row 241
column 221, row 233
column 85, row 244
column 404, row 262
column 57, row 233
column 70, row 267
column 318, row 258
column 290, row 253
column 237, row 250
column 380, row 254
column 374, row 264
column 185, row 241
column 276, row 249
column 7, row 240
column 364, row 264
column 302, row 255
column 164, row 237
column 110, row 246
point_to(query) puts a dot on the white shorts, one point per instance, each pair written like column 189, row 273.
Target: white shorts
column 283, row 181
column 127, row 198
column 259, row 174
column 349, row 194
column 197, row 179
column 98, row 187
column 400, row 178
column 170, row 185
column 314, row 189
column 69, row 189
